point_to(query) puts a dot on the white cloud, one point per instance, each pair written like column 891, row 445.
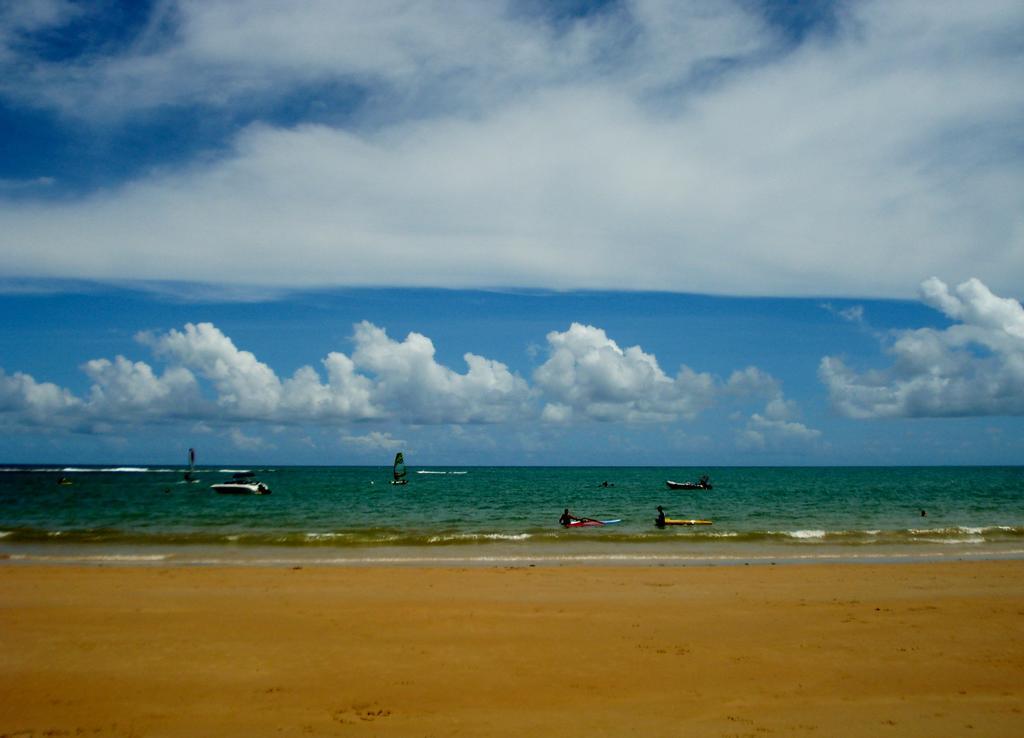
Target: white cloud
column 434, row 53
column 374, row 441
column 122, row 388
column 774, row 427
column 245, row 386
column 239, row 439
column 347, row 395
column 410, row 383
column 765, row 432
column 556, row 412
column 853, row 314
column 26, row 402
column 212, row 383
column 502, row 149
column 752, row 382
column 384, row 379
column 973, row 368
column 588, row 375
column 975, row 305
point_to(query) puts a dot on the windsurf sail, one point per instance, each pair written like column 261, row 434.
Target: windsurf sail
column 399, row 470
column 191, row 464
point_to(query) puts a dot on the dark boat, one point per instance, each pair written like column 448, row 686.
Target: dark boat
column 703, row 483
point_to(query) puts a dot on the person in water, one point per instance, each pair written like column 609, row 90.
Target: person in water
column 660, row 520
column 566, row 518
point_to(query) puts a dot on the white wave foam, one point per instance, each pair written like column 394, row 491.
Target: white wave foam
column 951, row 541
column 553, row 559
column 113, row 469
column 806, row 534
column 71, row 558
column 326, row 536
column 597, row 558
column 479, row 537
column 84, row 470
column 958, row 530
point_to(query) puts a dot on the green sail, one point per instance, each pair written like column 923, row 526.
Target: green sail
column 399, row 466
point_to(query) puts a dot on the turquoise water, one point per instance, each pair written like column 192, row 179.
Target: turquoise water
column 353, row 515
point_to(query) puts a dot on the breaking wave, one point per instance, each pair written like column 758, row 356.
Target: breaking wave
column 372, row 537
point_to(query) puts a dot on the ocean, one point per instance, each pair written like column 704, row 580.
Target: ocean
column 465, row 516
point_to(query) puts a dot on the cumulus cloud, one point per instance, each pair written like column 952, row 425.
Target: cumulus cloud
column 126, row 389
column 26, row 402
column 975, row 367
column 216, row 386
column 679, row 146
column 752, row 382
column 347, row 394
column 410, row 382
column 975, row 305
column 384, row 379
column 588, row 375
column 245, row 386
column 375, row 441
column 775, row 426
column 774, row 430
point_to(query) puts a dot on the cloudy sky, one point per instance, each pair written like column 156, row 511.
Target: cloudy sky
column 512, row 232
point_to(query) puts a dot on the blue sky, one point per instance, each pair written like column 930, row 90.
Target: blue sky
column 621, row 232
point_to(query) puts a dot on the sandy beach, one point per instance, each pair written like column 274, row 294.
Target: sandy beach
column 816, row 650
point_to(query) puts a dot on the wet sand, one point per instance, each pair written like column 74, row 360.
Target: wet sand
column 815, row 650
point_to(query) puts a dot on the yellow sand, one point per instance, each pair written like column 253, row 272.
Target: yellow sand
column 816, row 650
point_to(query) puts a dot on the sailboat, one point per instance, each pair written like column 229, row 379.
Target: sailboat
column 399, row 470
column 189, row 475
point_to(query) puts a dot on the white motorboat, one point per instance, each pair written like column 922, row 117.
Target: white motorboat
column 242, row 483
